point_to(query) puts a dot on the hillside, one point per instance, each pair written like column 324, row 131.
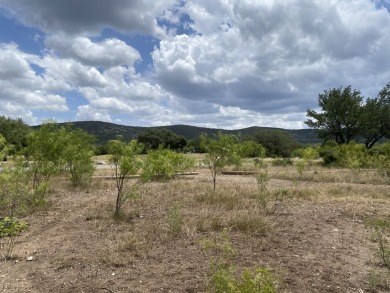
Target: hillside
column 104, row 131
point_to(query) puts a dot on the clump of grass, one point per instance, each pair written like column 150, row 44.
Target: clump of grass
column 210, row 223
column 380, row 226
column 267, row 199
column 128, row 243
column 223, row 275
column 282, row 162
column 224, row 199
column 175, row 220
column 249, row 224
column 258, row 280
column 378, row 281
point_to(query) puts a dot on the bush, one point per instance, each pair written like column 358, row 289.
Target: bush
column 165, row 164
column 259, row 280
column 10, row 229
column 329, row 152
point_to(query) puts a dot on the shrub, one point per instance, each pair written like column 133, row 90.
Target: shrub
column 10, row 229
column 165, row 164
column 123, row 156
column 220, row 152
column 282, row 162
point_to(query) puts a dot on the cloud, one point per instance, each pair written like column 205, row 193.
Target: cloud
column 224, row 63
column 20, row 86
column 274, row 56
column 90, row 16
column 107, row 53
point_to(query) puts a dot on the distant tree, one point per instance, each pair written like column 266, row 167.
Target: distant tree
column 340, row 114
column 220, row 152
column 278, row 143
column 251, row 149
column 15, row 132
column 165, row 164
column 154, row 137
column 375, row 118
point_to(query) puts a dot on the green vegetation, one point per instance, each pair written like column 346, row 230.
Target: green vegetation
column 165, row 164
column 175, row 220
column 156, row 137
column 278, row 143
column 344, row 117
column 54, row 149
column 123, row 156
column 15, row 132
column 223, row 278
column 220, row 152
column 10, row 229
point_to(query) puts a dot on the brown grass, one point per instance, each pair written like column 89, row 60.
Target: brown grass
column 315, row 242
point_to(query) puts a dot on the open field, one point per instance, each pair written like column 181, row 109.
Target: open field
column 318, row 239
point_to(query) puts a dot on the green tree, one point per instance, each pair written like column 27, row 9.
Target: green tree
column 220, row 152
column 55, row 149
column 278, row 143
column 15, row 132
column 45, row 147
column 77, row 156
column 251, row 149
column 3, row 148
column 165, row 164
column 375, row 118
column 155, row 137
column 15, row 194
column 340, row 115
column 124, row 157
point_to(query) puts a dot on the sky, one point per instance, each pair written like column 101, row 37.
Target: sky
column 227, row 64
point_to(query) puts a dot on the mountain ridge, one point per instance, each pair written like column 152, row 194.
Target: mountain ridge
column 104, row 131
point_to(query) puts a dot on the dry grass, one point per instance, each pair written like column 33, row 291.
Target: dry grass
column 80, row 247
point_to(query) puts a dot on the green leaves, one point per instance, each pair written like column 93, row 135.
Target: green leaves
column 344, row 117
column 55, row 149
column 11, row 226
column 165, row 164
column 123, row 156
column 339, row 116
column 220, row 152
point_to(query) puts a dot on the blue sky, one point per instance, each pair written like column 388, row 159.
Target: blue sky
column 226, row 64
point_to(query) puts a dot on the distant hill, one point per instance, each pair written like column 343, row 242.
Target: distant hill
column 104, row 131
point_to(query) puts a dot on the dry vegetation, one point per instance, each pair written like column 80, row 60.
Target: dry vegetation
column 316, row 240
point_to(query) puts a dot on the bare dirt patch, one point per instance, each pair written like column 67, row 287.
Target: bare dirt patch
column 316, row 241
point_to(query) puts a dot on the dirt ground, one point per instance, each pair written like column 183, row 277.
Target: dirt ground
column 313, row 243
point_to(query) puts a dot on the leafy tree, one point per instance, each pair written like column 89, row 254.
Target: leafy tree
column 77, row 156
column 123, row 156
column 55, row 149
column 340, row 114
column 14, row 190
column 278, row 143
column 155, row 137
column 375, row 118
column 45, row 147
column 220, row 152
column 251, row 149
column 3, row 148
column 15, row 132
column 165, row 164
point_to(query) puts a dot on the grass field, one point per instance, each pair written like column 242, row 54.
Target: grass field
column 315, row 231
